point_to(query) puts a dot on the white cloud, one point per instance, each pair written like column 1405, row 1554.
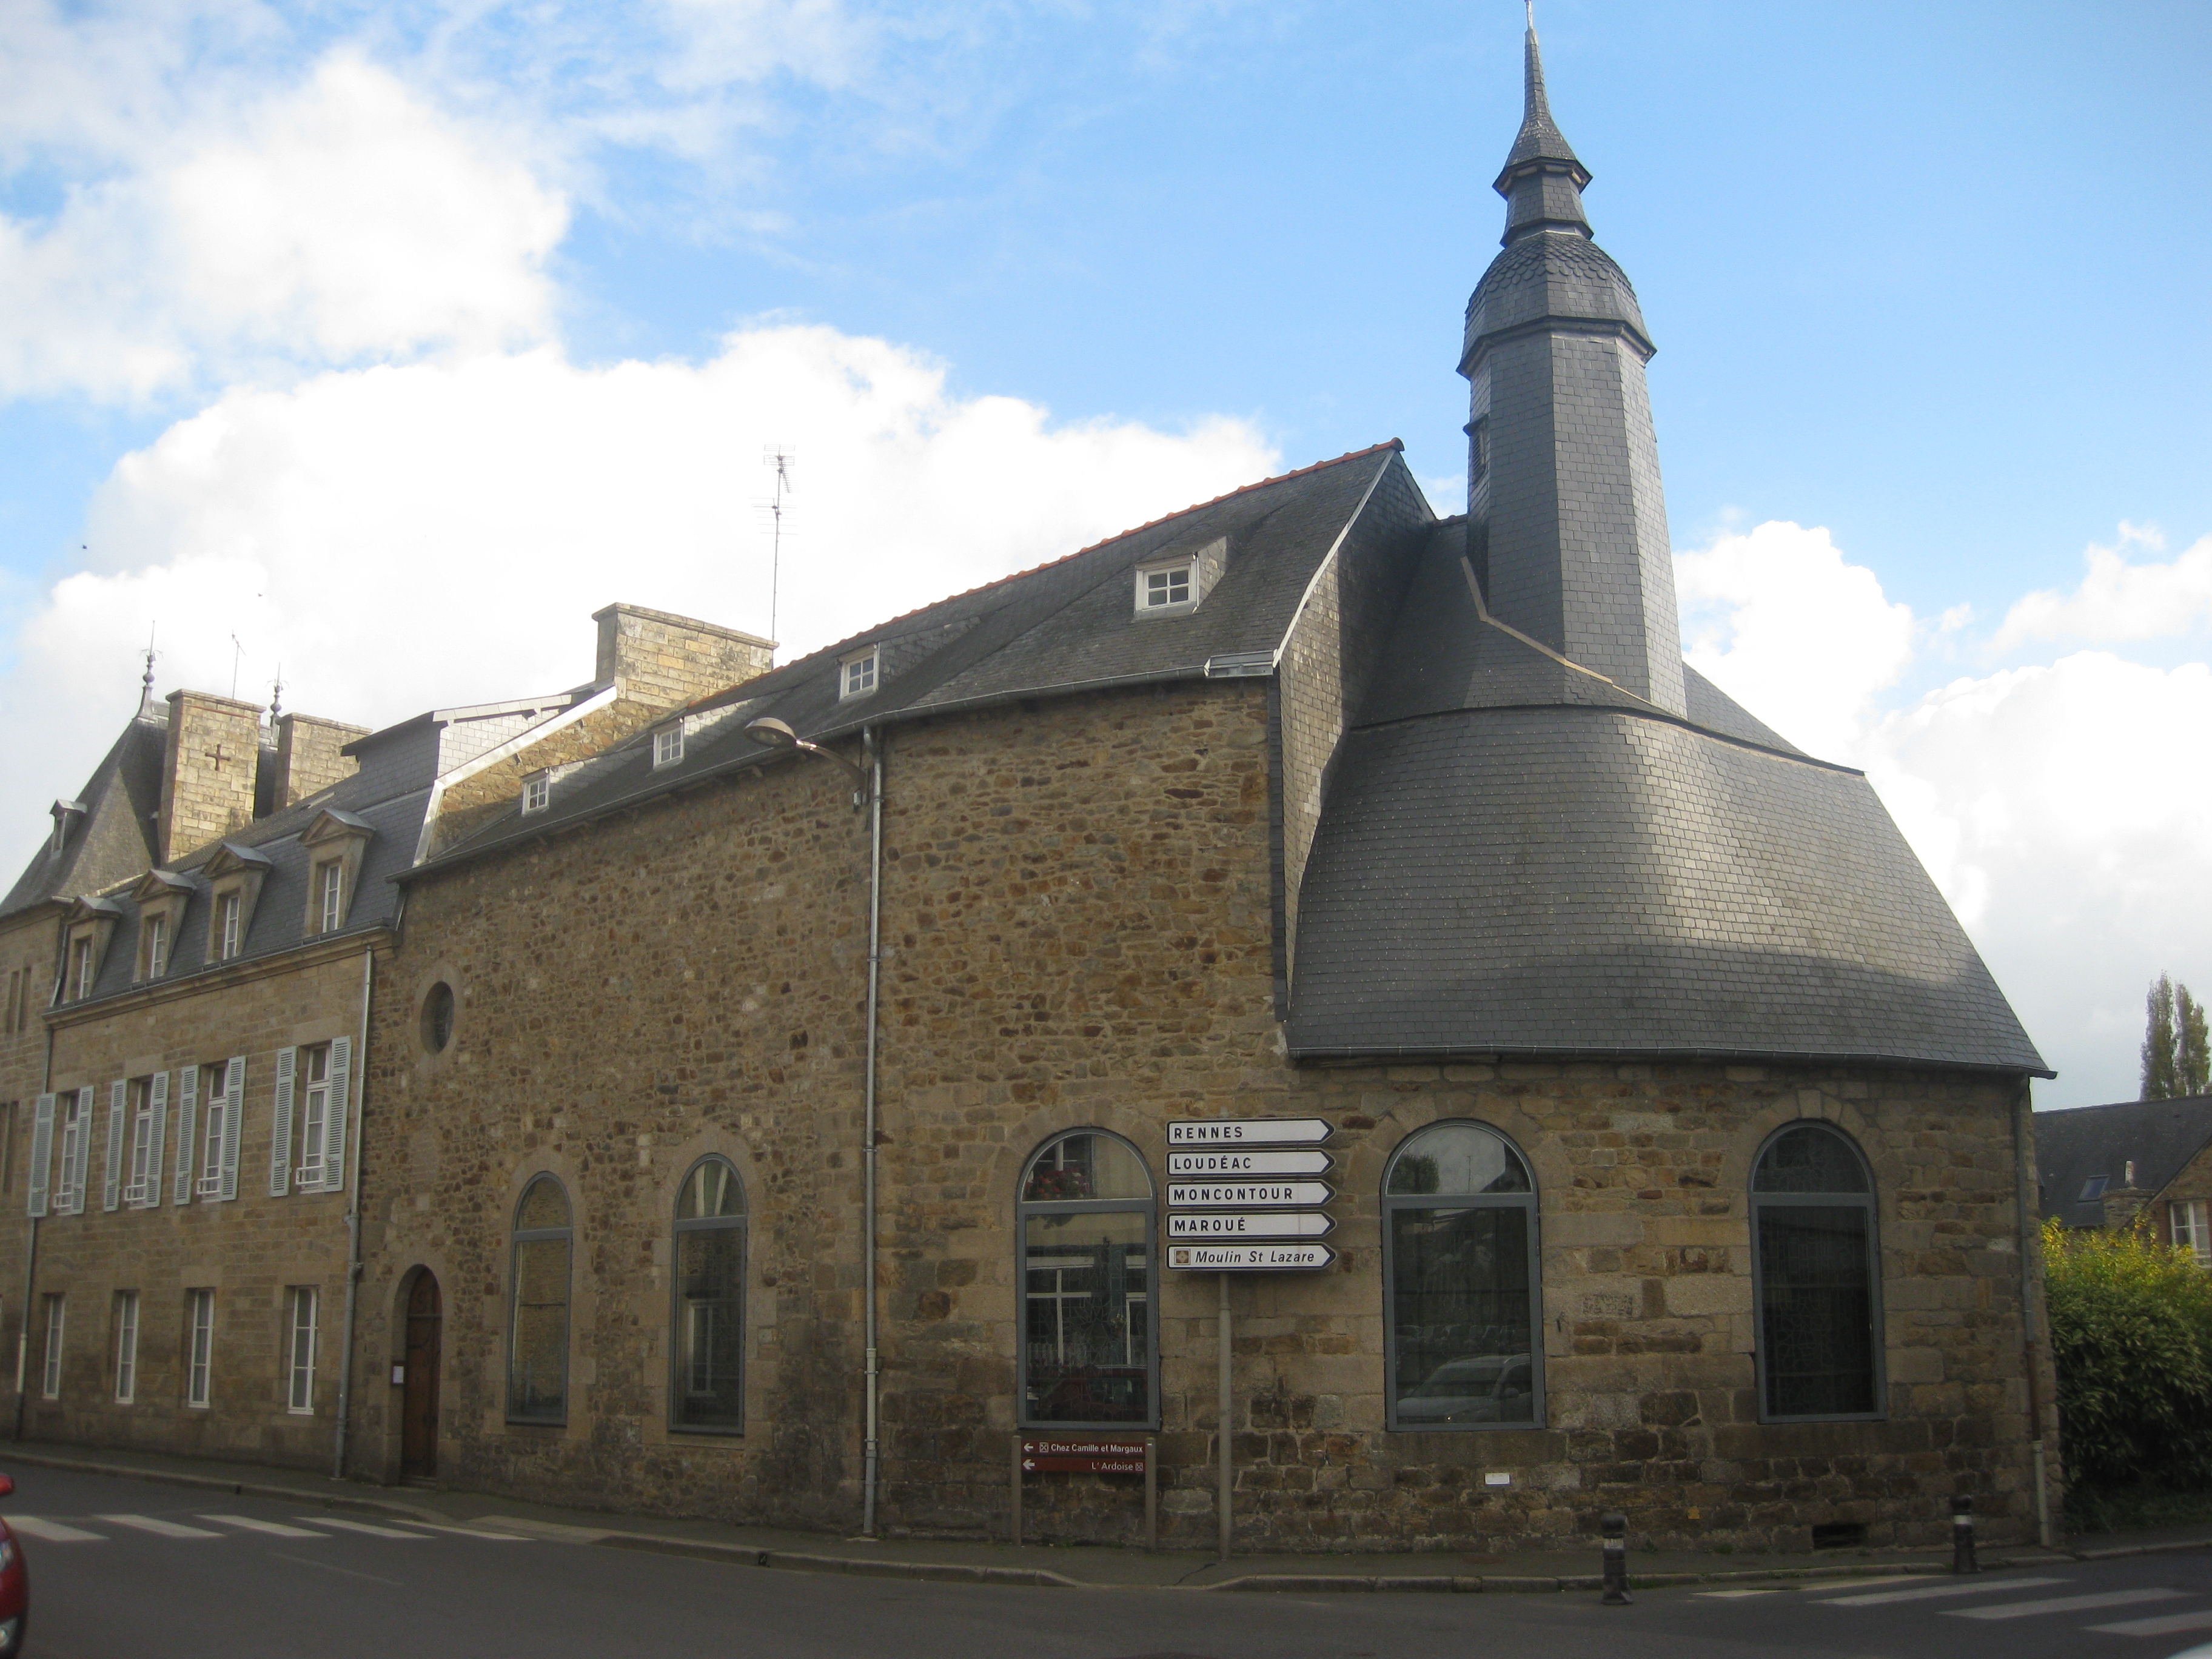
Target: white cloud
column 2058, row 806
column 2118, row 600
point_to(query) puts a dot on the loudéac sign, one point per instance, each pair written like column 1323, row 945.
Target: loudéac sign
column 1229, row 1213
column 1249, row 1163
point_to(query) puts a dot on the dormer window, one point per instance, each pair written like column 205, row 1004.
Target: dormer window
column 1175, row 584
column 161, row 896
column 668, row 744
column 329, row 887
column 537, row 793
column 157, row 946
column 858, row 673
column 1169, row 587
column 230, row 910
column 64, row 811
column 336, row 843
column 88, row 965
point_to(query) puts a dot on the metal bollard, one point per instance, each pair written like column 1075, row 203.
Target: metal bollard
column 1615, row 1527
column 1962, row 1535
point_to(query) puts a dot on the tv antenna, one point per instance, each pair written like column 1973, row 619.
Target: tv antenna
column 237, row 650
column 780, row 457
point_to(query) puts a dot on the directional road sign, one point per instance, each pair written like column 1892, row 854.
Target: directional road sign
column 1056, row 1456
column 1241, row 1194
column 1238, row 1258
column 1183, row 1164
column 1248, row 1132
column 1245, row 1223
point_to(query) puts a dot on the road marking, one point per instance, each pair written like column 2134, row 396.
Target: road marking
column 1735, row 1596
column 1992, row 1586
column 363, row 1526
column 1830, row 1586
column 254, row 1523
column 53, row 1531
column 473, row 1532
column 304, row 1561
column 2168, row 1623
column 2066, row 1604
column 158, row 1528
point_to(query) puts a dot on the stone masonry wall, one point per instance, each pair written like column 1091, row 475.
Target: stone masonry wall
column 307, row 757
column 207, row 786
column 673, row 660
column 475, row 800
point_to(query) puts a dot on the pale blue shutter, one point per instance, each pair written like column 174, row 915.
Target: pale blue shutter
column 280, row 1142
column 157, row 1123
column 81, row 1171
column 42, row 1155
column 111, row 1192
column 334, row 1114
column 234, row 1109
column 188, row 1126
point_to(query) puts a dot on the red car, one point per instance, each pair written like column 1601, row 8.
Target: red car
column 15, row 1586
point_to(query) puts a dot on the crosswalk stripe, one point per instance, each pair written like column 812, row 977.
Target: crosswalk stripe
column 473, row 1532
column 1830, row 1586
column 2066, row 1604
column 159, row 1527
column 1735, row 1596
column 254, row 1523
column 363, row 1526
column 1979, row 1586
column 53, row 1532
column 2166, row 1624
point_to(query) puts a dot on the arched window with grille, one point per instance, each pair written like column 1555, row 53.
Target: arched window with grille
column 1089, row 1345
column 707, row 1273
column 538, row 1290
column 1461, row 1281
column 1817, row 1276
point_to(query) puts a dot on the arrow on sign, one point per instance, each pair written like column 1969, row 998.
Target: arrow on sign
column 1267, row 1194
column 1234, row 1224
column 1219, row 1164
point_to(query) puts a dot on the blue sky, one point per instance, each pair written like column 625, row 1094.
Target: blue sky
column 323, row 311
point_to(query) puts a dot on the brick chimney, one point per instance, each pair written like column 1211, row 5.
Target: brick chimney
column 307, row 757
column 207, row 781
column 673, row 660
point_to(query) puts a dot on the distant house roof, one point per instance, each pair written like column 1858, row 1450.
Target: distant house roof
column 2082, row 1152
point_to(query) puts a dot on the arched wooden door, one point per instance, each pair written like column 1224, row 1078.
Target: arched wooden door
column 418, row 1416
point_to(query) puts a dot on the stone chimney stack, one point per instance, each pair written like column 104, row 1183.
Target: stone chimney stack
column 2125, row 1202
column 673, row 660
column 308, row 758
column 207, row 781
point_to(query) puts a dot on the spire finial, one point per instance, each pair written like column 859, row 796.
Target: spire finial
column 1543, row 178
column 146, row 682
column 276, row 696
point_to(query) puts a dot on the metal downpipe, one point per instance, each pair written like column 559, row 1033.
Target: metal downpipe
column 870, row 1460
column 353, row 1223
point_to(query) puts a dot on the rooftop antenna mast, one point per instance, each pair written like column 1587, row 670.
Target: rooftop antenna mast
column 780, row 457
column 237, row 650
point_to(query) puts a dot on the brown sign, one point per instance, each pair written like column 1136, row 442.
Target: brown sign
column 1057, row 1456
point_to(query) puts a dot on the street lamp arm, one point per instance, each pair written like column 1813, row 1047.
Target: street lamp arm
column 772, row 733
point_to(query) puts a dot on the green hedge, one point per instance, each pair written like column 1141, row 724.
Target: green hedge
column 2131, row 1336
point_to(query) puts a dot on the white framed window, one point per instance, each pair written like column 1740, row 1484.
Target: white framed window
column 1169, row 585
column 136, row 1190
column 858, row 673
column 86, row 962
column 668, row 744
column 2191, row 1232
column 199, row 1352
column 76, row 1129
column 50, row 1383
column 217, row 1098
column 537, row 794
column 330, row 879
column 301, row 1365
column 228, row 910
column 314, row 1115
column 157, row 946
column 126, row 1345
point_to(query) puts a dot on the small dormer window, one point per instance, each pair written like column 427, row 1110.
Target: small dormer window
column 229, row 911
column 331, row 890
column 1168, row 587
column 88, row 964
column 858, row 673
column 537, row 793
column 1174, row 584
column 668, row 744
column 157, row 946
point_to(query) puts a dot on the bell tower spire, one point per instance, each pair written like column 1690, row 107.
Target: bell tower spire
column 1542, row 180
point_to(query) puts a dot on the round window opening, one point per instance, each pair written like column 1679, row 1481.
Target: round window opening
column 437, row 1018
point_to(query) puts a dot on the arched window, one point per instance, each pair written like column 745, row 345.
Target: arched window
column 1088, row 1342
column 537, row 1329
column 1460, row 1274
column 1816, row 1278
column 708, row 1275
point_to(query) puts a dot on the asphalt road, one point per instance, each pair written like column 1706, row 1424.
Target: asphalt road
column 159, row 1570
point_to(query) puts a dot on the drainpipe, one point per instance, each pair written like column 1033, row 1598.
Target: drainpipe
column 2031, row 1245
column 353, row 1221
column 869, row 1460
column 30, row 1261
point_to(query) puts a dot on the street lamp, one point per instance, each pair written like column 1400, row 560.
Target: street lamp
column 772, row 733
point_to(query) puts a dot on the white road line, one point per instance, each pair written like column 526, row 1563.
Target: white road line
column 473, row 1532
column 2066, row 1604
column 53, row 1532
column 1735, row 1596
column 159, row 1528
column 1978, row 1587
column 2168, row 1623
column 1831, row 1586
column 363, row 1526
column 254, row 1523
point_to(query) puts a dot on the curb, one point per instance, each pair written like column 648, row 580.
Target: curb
column 217, row 1483
column 747, row 1555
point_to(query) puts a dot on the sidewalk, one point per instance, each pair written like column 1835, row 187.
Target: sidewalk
column 1071, row 1566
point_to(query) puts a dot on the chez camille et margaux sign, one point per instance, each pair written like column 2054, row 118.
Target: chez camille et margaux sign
column 1236, row 1202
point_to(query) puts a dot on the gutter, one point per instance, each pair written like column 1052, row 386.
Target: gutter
column 1371, row 1053
column 31, row 1260
column 353, row 1223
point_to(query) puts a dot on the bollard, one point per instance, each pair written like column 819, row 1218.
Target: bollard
column 1962, row 1535
column 1615, row 1527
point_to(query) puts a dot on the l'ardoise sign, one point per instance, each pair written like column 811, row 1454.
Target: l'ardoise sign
column 1223, row 1223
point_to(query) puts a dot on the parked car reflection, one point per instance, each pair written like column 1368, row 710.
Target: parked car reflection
column 1490, row 1388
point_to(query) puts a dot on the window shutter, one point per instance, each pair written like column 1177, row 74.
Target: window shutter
column 42, row 1153
column 83, row 1167
column 157, row 1123
column 280, row 1143
column 334, row 1114
column 188, row 1124
column 234, row 1108
column 111, row 1193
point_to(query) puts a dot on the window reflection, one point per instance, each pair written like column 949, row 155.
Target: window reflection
column 1086, row 1229
column 1812, row 1214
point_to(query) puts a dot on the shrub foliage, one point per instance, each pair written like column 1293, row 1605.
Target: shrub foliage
column 2131, row 1337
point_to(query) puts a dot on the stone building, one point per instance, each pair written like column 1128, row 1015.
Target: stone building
column 192, row 958
column 801, row 1133
column 2136, row 1161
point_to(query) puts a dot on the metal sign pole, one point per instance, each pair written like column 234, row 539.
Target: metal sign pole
column 1228, row 1450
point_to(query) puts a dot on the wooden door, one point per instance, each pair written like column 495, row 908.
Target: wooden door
column 418, row 1418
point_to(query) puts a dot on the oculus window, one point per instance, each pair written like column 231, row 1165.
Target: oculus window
column 1460, row 1274
column 1088, row 1342
column 538, row 1339
column 1812, row 1220
column 709, row 1343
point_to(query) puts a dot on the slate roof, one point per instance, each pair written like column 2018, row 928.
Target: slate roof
column 2076, row 1149
column 114, row 837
